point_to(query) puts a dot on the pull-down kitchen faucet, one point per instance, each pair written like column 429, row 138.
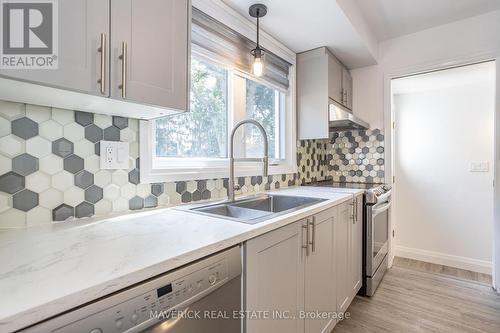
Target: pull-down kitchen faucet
column 265, row 160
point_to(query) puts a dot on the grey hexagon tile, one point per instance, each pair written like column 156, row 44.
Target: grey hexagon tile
column 120, row 122
column 93, row 194
column 11, row 182
column 180, row 187
column 62, row 212
column 73, row 164
column 157, row 189
column 62, row 147
column 84, row 209
column 84, row 118
column 25, row 200
column 136, row 203
column 93, row 133
column 24, row 128
column 111, row 133
column 133, row 176
column 186, row 197
column 24, row 164
column 150, row 201
column 84, row 179
column 205, row 195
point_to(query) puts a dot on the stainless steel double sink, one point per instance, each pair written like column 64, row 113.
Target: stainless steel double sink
column 256, row 209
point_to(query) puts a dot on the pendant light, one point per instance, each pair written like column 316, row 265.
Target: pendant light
column 257, row 10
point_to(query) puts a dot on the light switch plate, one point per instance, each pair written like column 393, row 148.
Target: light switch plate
column 479, row 167
column 114, row 155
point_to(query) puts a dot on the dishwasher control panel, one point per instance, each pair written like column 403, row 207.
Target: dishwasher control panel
column 149, row 302
column 152, row 306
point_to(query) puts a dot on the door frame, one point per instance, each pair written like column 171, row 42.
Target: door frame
column 391, row 74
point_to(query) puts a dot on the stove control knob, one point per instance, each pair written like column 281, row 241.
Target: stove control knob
column 96, row 330
column 134, row 317
column 212, row 278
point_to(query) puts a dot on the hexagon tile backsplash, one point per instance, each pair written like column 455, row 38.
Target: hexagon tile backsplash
column 349, row 156
column 49, row 167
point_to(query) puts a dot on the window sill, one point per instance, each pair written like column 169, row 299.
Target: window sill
column 150, row 175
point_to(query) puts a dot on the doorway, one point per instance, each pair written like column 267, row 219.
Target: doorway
column 443, row 154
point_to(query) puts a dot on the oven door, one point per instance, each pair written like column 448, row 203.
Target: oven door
column 377, row 235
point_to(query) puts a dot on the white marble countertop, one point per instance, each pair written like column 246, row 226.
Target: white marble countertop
column 47, row 270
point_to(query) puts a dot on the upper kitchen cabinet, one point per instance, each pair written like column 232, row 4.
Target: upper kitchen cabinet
column 346, row 89
column 321, row 81
column 122, row 57
column 150, row 52
column 83, row 31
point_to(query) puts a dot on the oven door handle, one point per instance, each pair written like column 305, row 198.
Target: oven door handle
column 381, row 209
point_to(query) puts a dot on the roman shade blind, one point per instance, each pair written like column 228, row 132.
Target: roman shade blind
column 216, row 40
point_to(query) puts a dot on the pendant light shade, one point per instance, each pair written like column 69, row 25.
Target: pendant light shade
column 257, row 10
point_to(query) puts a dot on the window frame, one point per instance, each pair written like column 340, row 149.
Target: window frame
column 211, row 168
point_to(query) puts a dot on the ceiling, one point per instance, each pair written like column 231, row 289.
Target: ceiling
column 304, row 25
column 394, row 18
column 352, row 29
column 472, row 74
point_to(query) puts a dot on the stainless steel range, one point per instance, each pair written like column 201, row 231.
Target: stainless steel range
column 377, row 203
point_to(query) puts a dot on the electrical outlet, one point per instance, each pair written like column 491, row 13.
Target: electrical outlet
column 479, row 167
column 114, row 155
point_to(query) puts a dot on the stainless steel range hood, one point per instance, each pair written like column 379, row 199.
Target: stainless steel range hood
column 341, row 119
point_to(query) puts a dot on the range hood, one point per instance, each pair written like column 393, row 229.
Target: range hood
column 341, row 119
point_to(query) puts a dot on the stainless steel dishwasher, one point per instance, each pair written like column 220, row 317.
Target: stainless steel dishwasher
column 200, row 297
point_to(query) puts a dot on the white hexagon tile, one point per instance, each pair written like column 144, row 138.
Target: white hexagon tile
column 49, row 167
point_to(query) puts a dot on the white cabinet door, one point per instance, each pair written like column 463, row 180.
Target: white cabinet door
column 151, row 38
column 347, row 88
column 81, row 23
column 335, row 72
column 319, row 272
column 357, row 246
column 274, row 278
column 342, row 256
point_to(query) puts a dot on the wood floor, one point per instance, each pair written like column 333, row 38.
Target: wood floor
column 415, row 298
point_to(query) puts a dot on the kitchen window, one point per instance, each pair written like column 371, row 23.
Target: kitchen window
column 194, row 145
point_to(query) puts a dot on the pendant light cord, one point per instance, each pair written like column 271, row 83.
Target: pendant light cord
column 258, row 14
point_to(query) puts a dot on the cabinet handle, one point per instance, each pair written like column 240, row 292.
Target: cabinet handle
column 102, row 50
column 355, row 211
column 123, row 58
column 313, row 237
column 306, row 246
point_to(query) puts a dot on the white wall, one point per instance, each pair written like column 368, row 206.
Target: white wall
column 465, row 41
column 472, row 39
column 444, row 211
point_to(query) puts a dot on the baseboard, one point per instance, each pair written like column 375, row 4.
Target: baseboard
column 475, row 265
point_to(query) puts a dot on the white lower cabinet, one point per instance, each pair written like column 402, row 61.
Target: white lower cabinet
column 319, row 273
column 342, row 248
column 274, row 278
column 301, row 270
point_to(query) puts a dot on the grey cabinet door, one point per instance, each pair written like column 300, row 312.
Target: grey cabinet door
column 319, row 274
column 81, row 23
column 347, row 87
column 155, row 37
column 274, row 279
column 342, row 256
column 335, row 71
